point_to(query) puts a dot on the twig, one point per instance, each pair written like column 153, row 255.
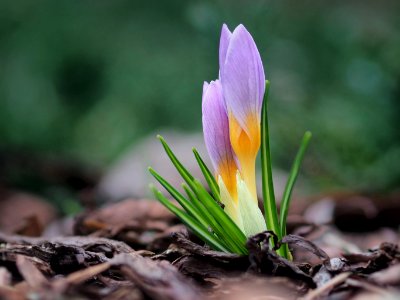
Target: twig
column 313, row 294
column 367, row 286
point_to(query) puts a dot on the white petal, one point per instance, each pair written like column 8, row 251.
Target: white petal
column 230, row 207
column 252, row 218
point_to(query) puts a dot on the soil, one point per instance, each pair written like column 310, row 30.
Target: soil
column 345, row 246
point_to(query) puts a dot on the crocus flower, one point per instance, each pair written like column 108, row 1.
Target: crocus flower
column 216, row 136
column 231, row 125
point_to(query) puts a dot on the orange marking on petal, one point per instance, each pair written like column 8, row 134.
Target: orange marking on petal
column 227, row 170
column 246, row 144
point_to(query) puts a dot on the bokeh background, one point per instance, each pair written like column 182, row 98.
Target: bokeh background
column 81, row 82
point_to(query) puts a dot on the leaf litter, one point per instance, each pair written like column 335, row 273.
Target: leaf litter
column 136, row 249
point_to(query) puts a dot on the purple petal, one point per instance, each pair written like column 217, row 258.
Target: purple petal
column 243, row 78
column 205, row 86
column 223, row 45
column 216, row 128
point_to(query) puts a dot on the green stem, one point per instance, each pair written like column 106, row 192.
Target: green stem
column 271, row 213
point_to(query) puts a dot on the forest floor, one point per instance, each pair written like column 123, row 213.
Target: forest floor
column 345, row 246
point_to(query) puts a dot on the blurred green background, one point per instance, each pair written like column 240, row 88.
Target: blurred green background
column 86, row 79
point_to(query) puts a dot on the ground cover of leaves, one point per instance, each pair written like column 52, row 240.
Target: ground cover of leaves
column 135, row 249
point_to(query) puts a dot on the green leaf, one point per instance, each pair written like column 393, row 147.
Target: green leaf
column 214, row 224
column 292, row 180
column 178, row 165
column 225, row 226
column 212, row 183
column 200, row 207
column 187, row 205
column 271, row 213
column 190, row 222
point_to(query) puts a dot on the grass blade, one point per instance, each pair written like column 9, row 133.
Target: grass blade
column 271, row 213
column 215, row 225
column 190, row 222
column 292, row 180
column 212, row 183
column 223, row 226
column 178, row 165
column 186, row 204
column 234, row 240
column 200, row 207
column 226, row 227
